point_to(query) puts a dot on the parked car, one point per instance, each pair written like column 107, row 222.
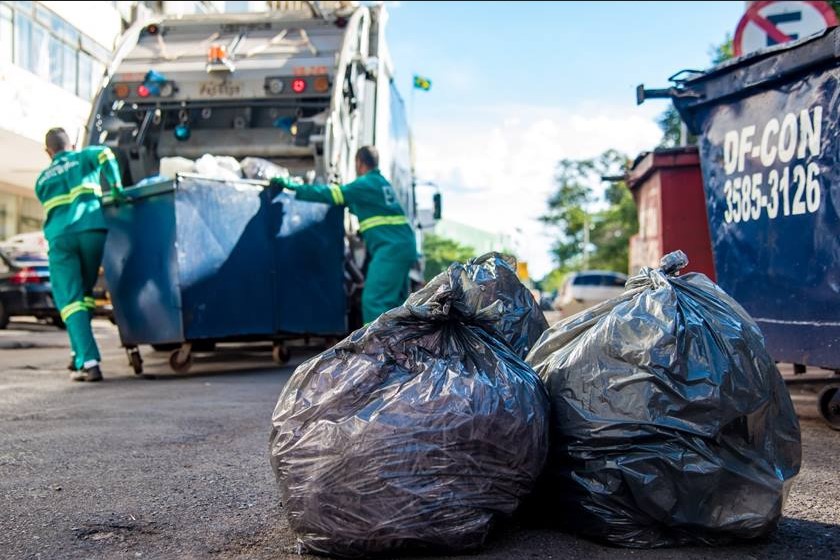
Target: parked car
column 585, row 289
column 25, row 287
column 32, row 242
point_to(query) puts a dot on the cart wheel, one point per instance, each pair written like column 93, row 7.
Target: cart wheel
column 180, row 360
column 829, row 402
column 135, row 360
column 280, row 354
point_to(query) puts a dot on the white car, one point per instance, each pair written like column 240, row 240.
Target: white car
column 582, row 290
column 33, row 242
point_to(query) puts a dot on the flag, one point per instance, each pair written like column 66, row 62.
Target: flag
column 422, row 83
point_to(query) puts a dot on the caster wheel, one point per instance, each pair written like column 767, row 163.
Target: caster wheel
column 280, row 354
column 180, row 363
column 829, row 403
column 135, row 360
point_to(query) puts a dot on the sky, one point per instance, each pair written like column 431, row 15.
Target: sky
column 517, row 86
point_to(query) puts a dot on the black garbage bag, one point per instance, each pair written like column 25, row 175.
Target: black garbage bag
column 670, row 423
column 419, row 430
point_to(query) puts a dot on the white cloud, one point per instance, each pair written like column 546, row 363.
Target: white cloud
column 495, row 165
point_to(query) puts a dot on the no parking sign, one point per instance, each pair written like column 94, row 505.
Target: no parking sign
column 770, row 22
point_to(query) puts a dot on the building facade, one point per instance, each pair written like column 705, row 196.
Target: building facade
column 53, row 56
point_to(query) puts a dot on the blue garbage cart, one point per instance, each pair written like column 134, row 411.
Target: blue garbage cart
column 769, row 137
column 198, row 260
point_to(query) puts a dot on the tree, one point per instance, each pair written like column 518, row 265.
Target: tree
column 571, row 211
column 553, row 280
column 724, row 51
column 439, row 252
column 670, row 122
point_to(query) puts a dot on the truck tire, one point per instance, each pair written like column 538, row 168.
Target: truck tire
column 4, row 316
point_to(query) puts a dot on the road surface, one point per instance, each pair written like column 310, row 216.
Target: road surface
column 177, row 466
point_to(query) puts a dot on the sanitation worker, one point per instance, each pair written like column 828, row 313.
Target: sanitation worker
column 70, row 190
column 383, row 225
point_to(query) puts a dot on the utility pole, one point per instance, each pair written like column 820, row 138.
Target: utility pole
column 586, row 243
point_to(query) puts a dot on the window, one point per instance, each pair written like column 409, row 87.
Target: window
column 587, row 280
column 35, row 38
column 56, row 61
column 85, row 73
column 23, row 38
column 6, row 34
column 616, row 281
column 31, row 46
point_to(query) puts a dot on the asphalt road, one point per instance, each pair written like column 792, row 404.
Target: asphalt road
column 177, row 466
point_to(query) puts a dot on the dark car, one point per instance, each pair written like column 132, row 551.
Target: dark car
column 25, row 288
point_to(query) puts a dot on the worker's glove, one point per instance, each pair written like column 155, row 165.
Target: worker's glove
column 118, row 196
column 280, row 182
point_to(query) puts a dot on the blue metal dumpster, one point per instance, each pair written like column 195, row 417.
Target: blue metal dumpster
column 769, row 127
column 198, row 259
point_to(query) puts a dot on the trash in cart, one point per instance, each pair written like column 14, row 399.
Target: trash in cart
column 419, row 430
column 670, row 422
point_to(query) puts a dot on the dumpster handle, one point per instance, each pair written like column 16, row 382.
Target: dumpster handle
column 675, row 78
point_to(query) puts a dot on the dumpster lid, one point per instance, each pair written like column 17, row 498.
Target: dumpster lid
column 647, row 163
column 756, row 70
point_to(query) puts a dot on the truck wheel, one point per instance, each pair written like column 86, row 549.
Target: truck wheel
column 829, row 403
column 4, row 317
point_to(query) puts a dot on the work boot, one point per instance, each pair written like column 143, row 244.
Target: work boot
column 93, row 373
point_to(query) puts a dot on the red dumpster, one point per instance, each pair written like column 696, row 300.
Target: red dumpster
column 667, row 186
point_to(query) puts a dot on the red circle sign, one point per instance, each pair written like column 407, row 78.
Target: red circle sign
column 760, row 23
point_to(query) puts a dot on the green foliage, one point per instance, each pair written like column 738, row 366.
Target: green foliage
column 670, row 123
column 570, row 212
column 439, row 252
column 724, row 51
column 553, row 280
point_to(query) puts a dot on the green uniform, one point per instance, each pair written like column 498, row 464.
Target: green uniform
column 388, row 237
column 70, row 191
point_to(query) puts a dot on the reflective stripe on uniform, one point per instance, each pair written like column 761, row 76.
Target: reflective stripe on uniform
column 105, row 155
column 337, row 195
column 90, row 303
column 377, row 221
column 75, row 192
column 72, row 309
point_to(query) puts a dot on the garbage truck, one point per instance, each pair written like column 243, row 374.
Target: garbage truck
column 299, row 89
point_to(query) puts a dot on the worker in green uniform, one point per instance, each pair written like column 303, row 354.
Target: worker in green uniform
column 388, row 237
column 70, row 190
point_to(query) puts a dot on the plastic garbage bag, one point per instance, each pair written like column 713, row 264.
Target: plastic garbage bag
column 171, row 166
column 670, row 422
column 218, row 167
column 261, row 169
column 420, row 429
